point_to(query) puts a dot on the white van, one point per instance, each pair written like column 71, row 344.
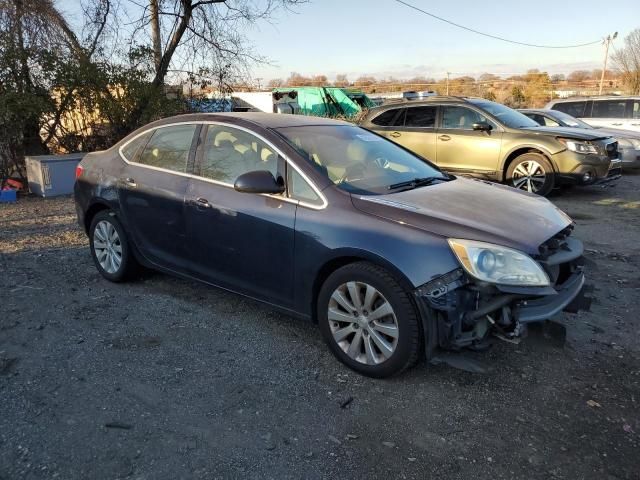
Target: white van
column 612, row 112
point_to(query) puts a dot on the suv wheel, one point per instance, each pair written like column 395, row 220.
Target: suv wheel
column 531, row 172
column 369, row 320
column 110, row 247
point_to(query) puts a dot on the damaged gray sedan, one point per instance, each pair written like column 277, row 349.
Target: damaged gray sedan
column 394, row 259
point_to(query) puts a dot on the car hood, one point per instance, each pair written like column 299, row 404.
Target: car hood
column 472, row 209
column 569, row 132
column 618, row 133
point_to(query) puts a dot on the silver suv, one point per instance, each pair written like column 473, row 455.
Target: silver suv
column 611, row 111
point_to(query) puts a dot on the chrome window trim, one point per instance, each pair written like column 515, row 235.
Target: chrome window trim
column 225, row 184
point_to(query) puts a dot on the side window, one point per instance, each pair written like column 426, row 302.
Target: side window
column 385, row 119
column 461, row 118
column 229, row 152
column 132, row 150
column 169, row 148
column 421, row 117
column 299, row 189
column 548, row 122
column 536, row 117
column 636, row 109
column 575, row 109
column 609, row 108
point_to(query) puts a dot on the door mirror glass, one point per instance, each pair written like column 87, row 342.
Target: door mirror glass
column 258, row 181
column 482, row 126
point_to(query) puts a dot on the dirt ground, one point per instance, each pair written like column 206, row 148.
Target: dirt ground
column 165, row 378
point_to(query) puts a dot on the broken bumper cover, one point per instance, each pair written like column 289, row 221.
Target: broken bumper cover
column 569, row 296
column 459, row 312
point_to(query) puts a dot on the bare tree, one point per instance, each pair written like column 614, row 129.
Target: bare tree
column 627, row 60
column 201, row 35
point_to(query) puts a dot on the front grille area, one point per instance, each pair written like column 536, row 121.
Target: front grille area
column 555, row 243
column 611, row 149
column 560, row 256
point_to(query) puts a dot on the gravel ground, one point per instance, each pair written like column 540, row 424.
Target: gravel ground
column 165, row 378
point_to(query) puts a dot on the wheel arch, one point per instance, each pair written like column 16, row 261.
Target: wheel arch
column 347, row 257
column 96, row 206
column 520, row 150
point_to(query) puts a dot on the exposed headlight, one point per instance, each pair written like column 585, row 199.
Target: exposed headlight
column 497, row 264
column 579, row 147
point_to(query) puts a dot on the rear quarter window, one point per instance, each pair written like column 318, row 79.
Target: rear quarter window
column 575, row 109
column 386, row 118
column 609, row 108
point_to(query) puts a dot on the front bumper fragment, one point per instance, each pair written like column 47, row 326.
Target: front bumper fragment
column 544, row 308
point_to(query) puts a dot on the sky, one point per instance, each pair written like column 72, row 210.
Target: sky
column 384, row 38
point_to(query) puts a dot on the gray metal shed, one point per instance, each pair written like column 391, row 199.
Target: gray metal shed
column 51, row 175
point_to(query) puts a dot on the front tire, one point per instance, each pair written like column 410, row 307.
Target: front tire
column 369, row 321
column 531, row 172
column 110, row 247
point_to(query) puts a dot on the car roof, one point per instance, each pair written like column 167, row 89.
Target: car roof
column 266, row 120
column 599, row 97
column 404, row 102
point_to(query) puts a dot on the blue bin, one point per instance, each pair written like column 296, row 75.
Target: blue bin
column 8, row 196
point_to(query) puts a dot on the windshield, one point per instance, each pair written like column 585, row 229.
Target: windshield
column 357, row 160
column 505, row 115
column 567, row 120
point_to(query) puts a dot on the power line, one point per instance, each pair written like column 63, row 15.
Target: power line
column 494, row 36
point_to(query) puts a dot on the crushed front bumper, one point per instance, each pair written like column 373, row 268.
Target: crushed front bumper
column 459, row 312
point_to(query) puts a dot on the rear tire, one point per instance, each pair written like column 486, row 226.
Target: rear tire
column 369, row 321
column 531, row 172
column 110, row 249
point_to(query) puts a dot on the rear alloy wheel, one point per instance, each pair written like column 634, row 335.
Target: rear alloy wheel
column 110, row 248
column 532, row 173
column 369, row 320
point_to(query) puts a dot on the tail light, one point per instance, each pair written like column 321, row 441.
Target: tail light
column 79, row 170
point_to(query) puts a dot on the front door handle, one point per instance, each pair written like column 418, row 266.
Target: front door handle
column 202, row 202
column 444, row 138
column 130, row 182
column 616, row 124
column 395, row 134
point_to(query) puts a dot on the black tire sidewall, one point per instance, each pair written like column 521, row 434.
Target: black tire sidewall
column 543, row 161
column 405, row 312
column 127, row 260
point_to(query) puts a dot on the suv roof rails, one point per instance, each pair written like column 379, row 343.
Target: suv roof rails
column 430, row 98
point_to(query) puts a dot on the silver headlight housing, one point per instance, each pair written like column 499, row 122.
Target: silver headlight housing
column 579, row 147
column 497, row 264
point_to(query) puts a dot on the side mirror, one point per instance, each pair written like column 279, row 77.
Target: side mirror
column 258, row 181
column 482, row 126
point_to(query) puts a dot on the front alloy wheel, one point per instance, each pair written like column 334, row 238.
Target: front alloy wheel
column 532, row 173
column 369, row 320
column 363, row 323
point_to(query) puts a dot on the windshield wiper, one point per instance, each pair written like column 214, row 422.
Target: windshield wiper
column 417, row 182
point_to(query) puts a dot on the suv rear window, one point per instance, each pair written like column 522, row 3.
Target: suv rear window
column 575, row 109
column 385, row 119
column 424, row 117
column 609, row 108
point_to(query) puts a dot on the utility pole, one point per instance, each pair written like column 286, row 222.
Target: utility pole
column 606, row 42
column 448, row 73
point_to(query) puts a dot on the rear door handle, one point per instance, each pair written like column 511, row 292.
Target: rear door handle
column 130, row 182
column 444, row 138
column 395, row 134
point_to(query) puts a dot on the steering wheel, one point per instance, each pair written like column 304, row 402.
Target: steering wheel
column 382, row 162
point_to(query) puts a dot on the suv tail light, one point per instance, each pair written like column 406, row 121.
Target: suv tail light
column 79, row 170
